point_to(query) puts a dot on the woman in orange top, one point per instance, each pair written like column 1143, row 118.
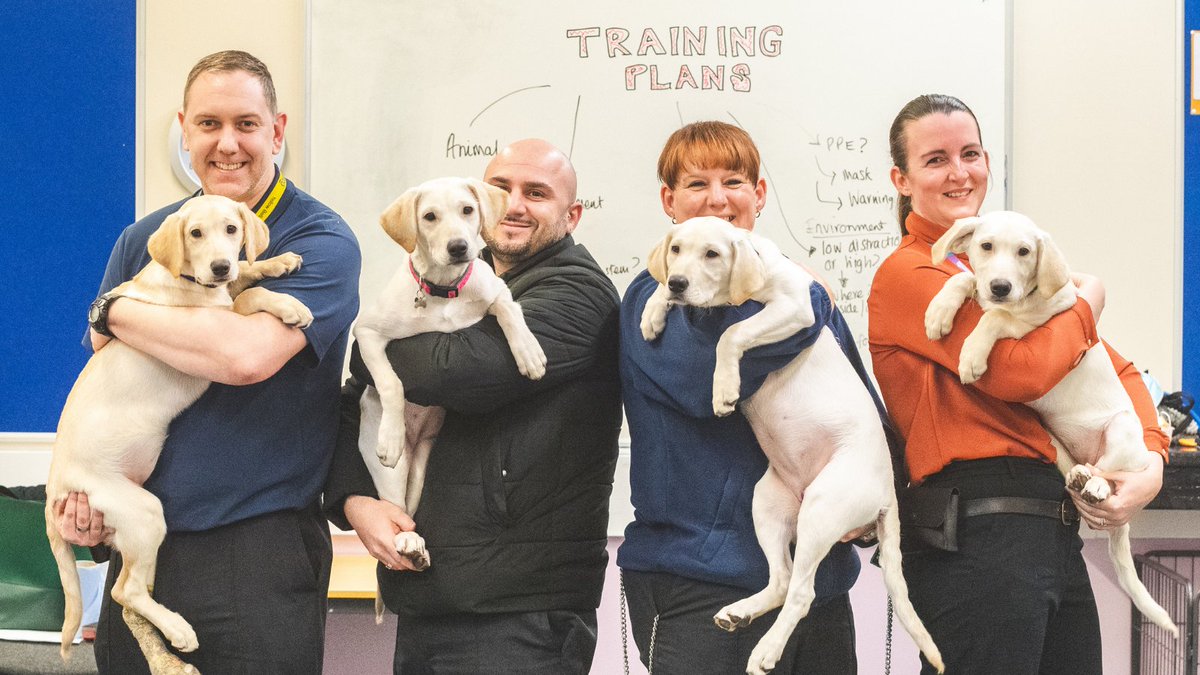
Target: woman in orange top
column 1014, row 598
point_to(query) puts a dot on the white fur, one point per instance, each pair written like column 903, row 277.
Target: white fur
column 1088, row 413
column 830, row 469
column 116, row 416
column 428, row 221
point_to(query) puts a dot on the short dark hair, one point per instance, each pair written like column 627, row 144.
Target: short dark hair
column 231, row 60
column 919, row 107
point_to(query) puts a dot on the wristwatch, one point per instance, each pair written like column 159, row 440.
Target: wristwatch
column 98, row 314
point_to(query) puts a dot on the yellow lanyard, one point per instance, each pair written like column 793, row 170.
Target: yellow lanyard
column 273, row 198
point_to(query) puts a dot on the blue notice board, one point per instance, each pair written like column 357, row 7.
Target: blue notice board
column 68, row 87
column 1191, row 207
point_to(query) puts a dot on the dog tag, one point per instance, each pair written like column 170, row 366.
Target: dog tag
column 419, row 301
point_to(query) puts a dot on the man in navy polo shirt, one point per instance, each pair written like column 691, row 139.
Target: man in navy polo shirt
column 247, row 555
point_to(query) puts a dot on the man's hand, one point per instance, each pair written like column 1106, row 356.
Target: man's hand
column 78, row 523
column 1132, row 490
column 377, row 523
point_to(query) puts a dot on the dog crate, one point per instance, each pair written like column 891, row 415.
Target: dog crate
column 1171, row 578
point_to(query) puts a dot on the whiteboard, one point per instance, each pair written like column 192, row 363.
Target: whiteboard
column 404, row 91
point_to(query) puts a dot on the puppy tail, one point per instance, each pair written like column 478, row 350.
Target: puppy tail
column 69, row 575
column 888, row 527
column 1122, row 557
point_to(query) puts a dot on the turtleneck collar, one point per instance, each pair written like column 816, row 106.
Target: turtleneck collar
column 924, row 230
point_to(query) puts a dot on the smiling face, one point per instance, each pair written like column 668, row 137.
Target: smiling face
column 542, row 208
column 947, row 167
column 231, row 134
column 725, row 193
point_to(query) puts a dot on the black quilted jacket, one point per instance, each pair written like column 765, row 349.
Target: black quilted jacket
column 515, row 506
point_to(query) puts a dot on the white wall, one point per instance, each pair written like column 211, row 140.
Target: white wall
column 1097, row 133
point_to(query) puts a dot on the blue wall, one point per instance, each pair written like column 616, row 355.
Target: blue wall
column 1191, row 211
column 68, row 73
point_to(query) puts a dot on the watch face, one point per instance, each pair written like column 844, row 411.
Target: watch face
column 94, row 310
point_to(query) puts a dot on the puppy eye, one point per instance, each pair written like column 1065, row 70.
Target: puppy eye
column 675, row 248
column 195, row 233
column 711, row 254
column 430, row 216
column 231, row 229
column 1024, row 250
column 468, row 210
column 987, row 246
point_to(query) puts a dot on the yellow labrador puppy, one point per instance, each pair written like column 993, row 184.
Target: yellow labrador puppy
column 116, row 416
column 440, row 285
column 830, row 470
column 1021, row 279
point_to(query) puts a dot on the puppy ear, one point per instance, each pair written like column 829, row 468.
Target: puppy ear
column 256, row 235
column 493, row 202
column 166, row 245
column 400, row 219
column 956, row 239
column 747, row 272
column 657, row 263
column 1052, row 271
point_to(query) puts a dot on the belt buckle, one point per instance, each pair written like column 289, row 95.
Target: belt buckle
column 1067, row 512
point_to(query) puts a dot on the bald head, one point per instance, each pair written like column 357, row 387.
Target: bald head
column 539, row 155
column 542, row 209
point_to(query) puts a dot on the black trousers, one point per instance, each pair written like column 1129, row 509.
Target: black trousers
column 254, row 591
column 687, row 641
column 562, row 642
column 1015, row 599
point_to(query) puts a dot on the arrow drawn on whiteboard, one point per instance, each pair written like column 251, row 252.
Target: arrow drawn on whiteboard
column 574, row 126
column 831, row 175
column 539, row 86
column 808, row 249
column 827, row 201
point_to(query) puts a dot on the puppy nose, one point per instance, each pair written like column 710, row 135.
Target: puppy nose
column 457, row 248
column 220, row 268
column 677, row 284
column 1000, row 288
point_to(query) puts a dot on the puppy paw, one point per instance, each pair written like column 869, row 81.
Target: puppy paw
column 390, row 442
column 294, row 313
column 653, row 324
column 1096, row 490
column 728, row 621
column 971, row 367
column 765, row 656
column 531, row 360
column 179, row 633
column 726, row 392
column 412, row 546
column 939, row 319
column 1078, row 477
column 289, row 262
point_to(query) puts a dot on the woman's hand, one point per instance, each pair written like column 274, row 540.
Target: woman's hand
column 78, row 523
column 377, row 523
column 1132, row 490
column 1091, row 289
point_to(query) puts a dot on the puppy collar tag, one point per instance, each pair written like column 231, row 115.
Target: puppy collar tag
column 437, row 290
column 957, row 263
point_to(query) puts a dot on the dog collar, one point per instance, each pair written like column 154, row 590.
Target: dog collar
column 438, row 290
column 957, row 263
column 196, row 281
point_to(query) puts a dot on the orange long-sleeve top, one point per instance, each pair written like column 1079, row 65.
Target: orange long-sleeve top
column 943, row 421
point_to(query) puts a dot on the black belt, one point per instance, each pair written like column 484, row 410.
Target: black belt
column 1063, row 510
